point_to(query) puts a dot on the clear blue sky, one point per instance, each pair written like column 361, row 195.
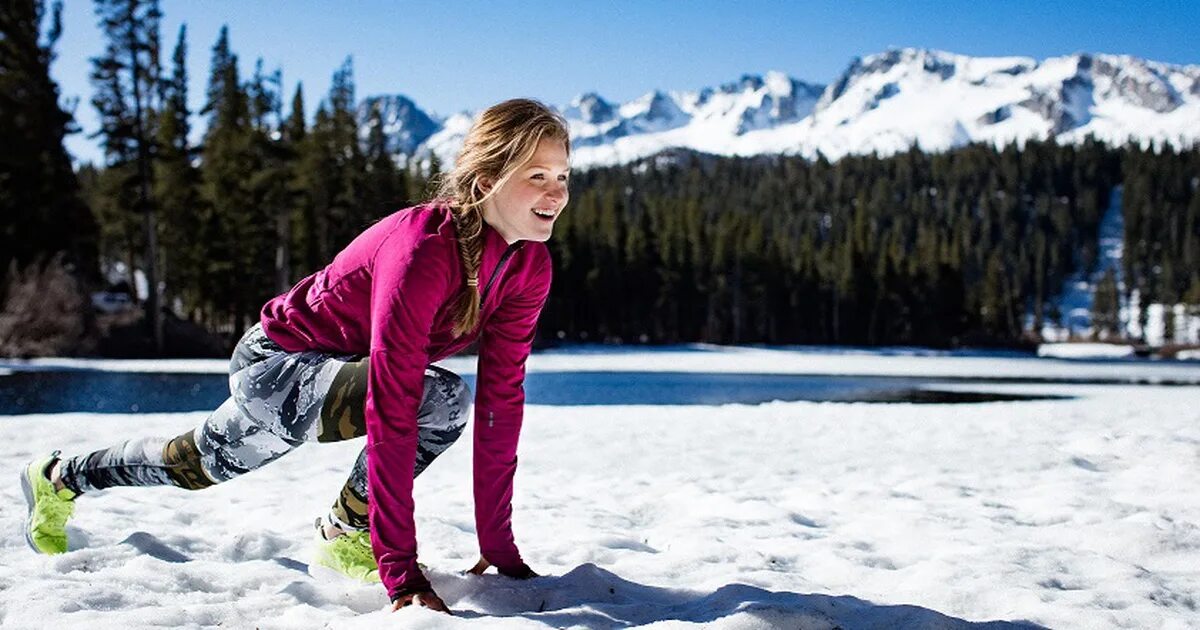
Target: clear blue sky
column 449, row 56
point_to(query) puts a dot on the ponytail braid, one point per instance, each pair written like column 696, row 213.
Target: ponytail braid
column 469, row 222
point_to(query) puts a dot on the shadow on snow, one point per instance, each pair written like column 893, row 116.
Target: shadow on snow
column 595, row 598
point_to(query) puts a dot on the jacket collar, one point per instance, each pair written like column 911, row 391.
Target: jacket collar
column 494, row 247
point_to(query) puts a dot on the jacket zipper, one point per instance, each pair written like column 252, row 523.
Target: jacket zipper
column 512, row 249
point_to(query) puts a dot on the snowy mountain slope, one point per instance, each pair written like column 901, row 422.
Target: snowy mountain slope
column 885, row 103
column 405, row 125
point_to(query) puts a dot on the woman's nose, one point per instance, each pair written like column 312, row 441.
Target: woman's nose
column 557, row 191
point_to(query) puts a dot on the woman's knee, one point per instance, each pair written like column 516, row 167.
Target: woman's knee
column 452, row 388
column 286, row 393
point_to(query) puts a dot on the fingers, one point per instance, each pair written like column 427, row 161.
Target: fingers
column 479, row 567
column 523, row 573
column 433, row 602
column 428, row 599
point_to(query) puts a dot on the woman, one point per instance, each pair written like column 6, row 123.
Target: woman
column 347, row 352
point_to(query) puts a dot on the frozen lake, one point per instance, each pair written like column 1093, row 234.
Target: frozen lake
column 1070, row 512
column 102, row 391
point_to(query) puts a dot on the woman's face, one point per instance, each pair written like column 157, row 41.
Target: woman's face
column 526, row 206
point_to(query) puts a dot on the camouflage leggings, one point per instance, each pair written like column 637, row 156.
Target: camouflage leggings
column 279, row 401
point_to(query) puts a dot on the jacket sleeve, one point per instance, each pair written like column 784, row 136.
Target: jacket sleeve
column 504, row 346
column 411, row 275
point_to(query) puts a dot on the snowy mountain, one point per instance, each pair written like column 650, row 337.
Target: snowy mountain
column 883, row 103
column 405, row 125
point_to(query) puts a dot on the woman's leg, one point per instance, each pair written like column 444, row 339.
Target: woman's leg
column 441, row 419
column 276, row 401
column 275, row 406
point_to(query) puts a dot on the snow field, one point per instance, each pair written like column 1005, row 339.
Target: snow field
column 1075, row 513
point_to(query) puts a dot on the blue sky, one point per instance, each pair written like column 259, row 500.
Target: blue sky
column 449, row 56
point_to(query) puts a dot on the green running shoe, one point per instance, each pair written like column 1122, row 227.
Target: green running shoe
column 46, row 522
column 349, row 554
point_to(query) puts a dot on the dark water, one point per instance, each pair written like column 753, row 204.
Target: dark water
column 55, row 391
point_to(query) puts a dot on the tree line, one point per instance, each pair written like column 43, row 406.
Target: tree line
column 969, row 246
column 263, row 199
column 963, row 247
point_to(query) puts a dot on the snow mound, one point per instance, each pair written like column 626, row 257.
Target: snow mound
column 1085, row 351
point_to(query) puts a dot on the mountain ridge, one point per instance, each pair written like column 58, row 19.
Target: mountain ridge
column 882, row 103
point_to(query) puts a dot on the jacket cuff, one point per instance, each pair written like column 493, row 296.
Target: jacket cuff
column 508, row 562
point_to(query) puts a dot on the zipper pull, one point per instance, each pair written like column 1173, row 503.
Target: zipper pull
column 491, row 419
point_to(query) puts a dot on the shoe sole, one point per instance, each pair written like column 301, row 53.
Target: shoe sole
column 329, row 574
column 27, row 490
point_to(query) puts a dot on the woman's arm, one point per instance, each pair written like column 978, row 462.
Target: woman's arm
column 499, row 408
column 412, row 274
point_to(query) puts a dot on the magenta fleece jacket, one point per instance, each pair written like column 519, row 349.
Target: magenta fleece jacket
column 389, row 296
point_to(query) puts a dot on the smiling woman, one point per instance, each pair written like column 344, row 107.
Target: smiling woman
column 347, row 352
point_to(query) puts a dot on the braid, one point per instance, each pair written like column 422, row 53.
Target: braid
column 469, row 222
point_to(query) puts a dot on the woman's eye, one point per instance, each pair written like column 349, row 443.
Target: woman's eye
column 538, row 176
column 562, row 178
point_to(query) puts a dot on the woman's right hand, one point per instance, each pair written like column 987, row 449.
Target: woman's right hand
column 428, row 599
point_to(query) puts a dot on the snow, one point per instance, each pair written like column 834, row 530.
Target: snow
column 890, row 101
column 1064, row 513
column 1188, row 355
column 1085, row 350
column 1075, row 300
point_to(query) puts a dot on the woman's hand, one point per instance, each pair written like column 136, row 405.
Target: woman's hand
column 479, row 567
column 524, row 573
column 428, row 599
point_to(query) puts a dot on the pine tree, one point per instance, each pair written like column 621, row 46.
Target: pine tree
column 271, row 183
column 299, row 204
column 1106, row 307
column 41, row 193
column 47, row 237
column 385, row 186
column 176, row 188
column 126, row 77
column 228, row 165
column 347, row 213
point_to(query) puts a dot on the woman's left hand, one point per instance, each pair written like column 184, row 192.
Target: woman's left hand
column 524, row 573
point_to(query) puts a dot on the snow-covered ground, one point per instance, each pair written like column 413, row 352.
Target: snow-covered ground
column 1077, row 513
column 1085, row 350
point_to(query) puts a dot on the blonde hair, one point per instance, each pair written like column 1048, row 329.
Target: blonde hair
column 502, row 138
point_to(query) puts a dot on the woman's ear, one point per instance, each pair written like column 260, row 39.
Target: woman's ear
column 485, row 184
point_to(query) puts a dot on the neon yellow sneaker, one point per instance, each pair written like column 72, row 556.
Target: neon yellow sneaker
column 46, row 522
column 349, row 554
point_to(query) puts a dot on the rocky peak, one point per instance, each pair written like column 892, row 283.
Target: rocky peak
column 591, row 108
